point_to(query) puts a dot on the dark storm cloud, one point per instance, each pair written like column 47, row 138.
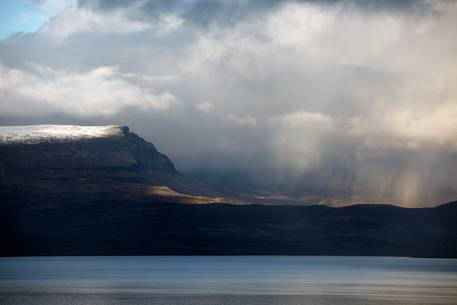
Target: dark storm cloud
column 199, row 12
column 207, row 12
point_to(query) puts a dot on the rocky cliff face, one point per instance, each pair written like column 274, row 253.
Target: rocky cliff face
column 95, row 160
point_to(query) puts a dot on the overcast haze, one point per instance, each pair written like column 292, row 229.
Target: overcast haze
column 330, row 98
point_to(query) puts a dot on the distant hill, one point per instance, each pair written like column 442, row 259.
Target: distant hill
column 46, row 226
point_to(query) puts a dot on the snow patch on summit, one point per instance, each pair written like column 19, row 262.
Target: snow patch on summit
column 33, row 134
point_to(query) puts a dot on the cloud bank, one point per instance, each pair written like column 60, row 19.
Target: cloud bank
column 101, row 91
column 341, row 99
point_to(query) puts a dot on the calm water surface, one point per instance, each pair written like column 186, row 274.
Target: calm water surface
column 227, row 280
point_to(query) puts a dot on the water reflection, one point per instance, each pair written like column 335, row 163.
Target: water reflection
column 227, row 280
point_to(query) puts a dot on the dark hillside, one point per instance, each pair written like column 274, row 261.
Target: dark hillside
column 106, row 227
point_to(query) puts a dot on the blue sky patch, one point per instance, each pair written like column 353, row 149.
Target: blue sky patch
column 19, row 16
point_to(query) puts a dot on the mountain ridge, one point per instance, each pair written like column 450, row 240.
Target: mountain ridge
column 121, row 227
column 67, row 159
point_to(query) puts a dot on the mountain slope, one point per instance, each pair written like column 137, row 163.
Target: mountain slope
column 88, row 162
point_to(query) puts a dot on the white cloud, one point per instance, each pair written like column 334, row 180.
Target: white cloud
column 409, row 129
column 297, row 26
column 206, row 107
column 53, row 6
column 297, row 140
column 74, row 20
column 210, row 109
column 306, row 120
column 101, row 91
column 246, row 120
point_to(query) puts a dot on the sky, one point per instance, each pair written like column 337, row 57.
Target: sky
column 24, row 17
column 335, row 98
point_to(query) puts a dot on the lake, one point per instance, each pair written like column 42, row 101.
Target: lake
column 227, row 280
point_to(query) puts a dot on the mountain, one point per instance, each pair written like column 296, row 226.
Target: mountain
column 103, row 190
column 89, row 162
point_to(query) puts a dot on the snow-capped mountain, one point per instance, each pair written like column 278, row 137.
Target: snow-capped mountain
column 33, row 134
column 98, row 161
